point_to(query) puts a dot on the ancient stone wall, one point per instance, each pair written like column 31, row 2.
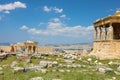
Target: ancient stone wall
column 6, row 48
column 45, row 49
column 39, row 49
column 106, row 49
column 107, row 46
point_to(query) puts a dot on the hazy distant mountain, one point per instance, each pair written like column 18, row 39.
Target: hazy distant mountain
column 86, row 46
column 56, row 45
column 4, row 44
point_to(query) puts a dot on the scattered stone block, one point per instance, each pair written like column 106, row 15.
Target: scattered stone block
column 18, row 69
column 56, row 79
column 118, row 69
column 117, row 73
column 37, row 78
column 43, row 64
column 68, row 71
column 44, row 71
column 1, row 73
column 14, row 63
column 1, row 68
column 104, row 70
column 54, row 63
column 62, row 71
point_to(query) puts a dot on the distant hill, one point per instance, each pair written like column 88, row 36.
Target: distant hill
column 4, row 44
column 56, row 45
column 86, row 46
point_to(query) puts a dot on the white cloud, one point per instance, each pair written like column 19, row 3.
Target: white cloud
column 32, row 30
column 46, row 9
column 55, row 9
column 63, row 16
column 24, row 27
column 35, row 31
column 12, row 6
column 56, row 20
column 89, row 28
column 41, row 23
column 19, row 5
column 54, row 25
column 59, row 28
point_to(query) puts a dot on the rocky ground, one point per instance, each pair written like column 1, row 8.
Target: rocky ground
column 58, row 66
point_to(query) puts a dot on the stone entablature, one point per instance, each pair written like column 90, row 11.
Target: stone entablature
column 107, row 21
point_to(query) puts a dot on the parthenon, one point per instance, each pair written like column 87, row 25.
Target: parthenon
column 107, row 37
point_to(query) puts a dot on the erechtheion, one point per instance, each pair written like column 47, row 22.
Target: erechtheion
column 107, row 37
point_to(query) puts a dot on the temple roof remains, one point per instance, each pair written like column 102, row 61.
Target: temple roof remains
column 115, row 18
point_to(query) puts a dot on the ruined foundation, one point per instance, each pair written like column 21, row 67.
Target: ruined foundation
column 106, row 49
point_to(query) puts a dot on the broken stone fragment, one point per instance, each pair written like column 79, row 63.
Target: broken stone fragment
column 37, row 78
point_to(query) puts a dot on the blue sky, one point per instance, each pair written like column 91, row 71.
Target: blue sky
column 52, row 21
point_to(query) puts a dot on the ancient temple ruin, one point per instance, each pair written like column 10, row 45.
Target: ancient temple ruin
column 28, row 47
column 107, row 37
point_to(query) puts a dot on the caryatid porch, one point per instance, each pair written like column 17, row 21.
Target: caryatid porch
column 107, row 37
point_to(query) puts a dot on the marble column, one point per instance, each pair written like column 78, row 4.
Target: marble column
column 104, row 33
column 95, row 34
column 99, row 33
column 34, row 48
column 15, row 48
column 26, row 50
column 31, row 48
column 110, row 32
